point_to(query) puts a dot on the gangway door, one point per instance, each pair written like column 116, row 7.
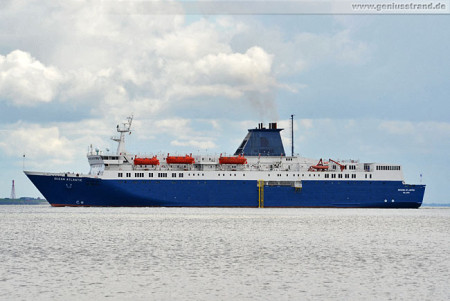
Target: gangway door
column 260, row 193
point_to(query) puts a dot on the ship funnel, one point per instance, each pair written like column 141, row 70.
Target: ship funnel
column 262, row 142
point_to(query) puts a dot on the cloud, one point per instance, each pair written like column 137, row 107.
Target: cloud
column 425, row 136
column 178, row 132
column 303, row 50
column 316, row 48
column 53, row 145
column 174, row 125
column 201, row 144
column 398, row 127
column 104, row 61
column 199, row 39
column 250, row 70
column 306, row 123
column 247, row 76
column 227, row 74
column 109, row 64
column 44, row 145
column 409, row 128
column 26, row 81
column 372, row 138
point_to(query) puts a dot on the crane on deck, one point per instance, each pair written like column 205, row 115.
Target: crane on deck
column 340, row 165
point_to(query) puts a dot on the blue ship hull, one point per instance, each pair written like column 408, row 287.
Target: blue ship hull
column 85, row 191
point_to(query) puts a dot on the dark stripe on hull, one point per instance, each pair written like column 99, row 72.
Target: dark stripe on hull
column 225, row 193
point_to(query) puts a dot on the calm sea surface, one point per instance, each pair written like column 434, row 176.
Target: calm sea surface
column 223, row 254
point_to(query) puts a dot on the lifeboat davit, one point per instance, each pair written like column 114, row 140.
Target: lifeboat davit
column 146, row 161
column 233, row 160
column 180, row 159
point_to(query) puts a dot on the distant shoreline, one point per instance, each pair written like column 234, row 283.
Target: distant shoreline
column 23, row 201
column 435, row 205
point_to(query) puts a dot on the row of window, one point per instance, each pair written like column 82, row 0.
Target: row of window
column 110, row 157
column 128, row 175
column 150, row 175
column 351, row 167
column 181, row 175
column 340, row 176
column 388, row 167
column 230, row 175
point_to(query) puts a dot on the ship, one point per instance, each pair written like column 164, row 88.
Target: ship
column 259, row 174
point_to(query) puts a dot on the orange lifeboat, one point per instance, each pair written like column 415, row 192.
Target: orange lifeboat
column 146, row 161
column 318, row 166
column 233, row 160
column 180, row 159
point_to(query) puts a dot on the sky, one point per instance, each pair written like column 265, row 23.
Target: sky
column 372, row 87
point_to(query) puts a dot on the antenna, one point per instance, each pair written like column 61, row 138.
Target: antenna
column 292, row 135
column 13, row 191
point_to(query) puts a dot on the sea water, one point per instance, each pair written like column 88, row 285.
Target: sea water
column 223, row 254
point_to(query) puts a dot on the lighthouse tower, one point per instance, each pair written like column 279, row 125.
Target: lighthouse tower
column 13, row 191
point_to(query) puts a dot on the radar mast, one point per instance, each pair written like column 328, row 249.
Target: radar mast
column 123, row 128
